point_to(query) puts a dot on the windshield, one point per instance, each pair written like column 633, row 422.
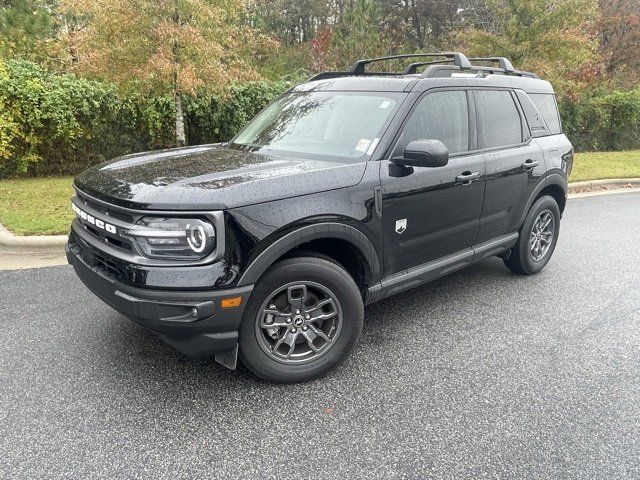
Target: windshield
column 343, row 125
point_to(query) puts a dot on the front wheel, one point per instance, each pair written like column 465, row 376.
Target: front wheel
column 303, row 318
column 538, row 238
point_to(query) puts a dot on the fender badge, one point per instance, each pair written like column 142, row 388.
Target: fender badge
column 401, row 226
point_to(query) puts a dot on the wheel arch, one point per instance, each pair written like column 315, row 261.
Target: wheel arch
column 554, row 185
column 336, row 240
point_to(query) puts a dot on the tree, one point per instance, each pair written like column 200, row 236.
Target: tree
column 172, row 47
column 422, row 23
column 359, row 34
column 619, row 31
column 554, row 38
column 27, row 28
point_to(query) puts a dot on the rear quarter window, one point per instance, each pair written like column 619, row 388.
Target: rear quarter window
column 546, row 105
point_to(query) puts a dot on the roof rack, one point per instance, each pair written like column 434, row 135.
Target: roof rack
column 459, row 59
column 502, row 62
column 452, row 61
column 413, row 67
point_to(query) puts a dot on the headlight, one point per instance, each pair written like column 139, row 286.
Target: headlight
column 173, row 238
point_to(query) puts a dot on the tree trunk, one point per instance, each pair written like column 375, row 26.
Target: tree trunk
column 180, row 135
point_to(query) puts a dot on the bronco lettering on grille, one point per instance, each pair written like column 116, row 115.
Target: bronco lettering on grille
column 101, row 224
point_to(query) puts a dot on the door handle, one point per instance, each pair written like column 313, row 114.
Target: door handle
column 530, row 164
column 465, row 178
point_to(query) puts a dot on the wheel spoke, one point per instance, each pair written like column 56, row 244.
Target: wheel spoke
column 310, row 340
column 273, row 322
column 280, row 341
column 323, row 316
column 272, row 317
column 320, row 333
column 319, row 314
column 320, row 304
column 292, row 346
column 297, row 295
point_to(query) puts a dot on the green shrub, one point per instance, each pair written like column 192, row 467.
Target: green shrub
column 211, row 119
column 60, row 124
column 603, row 122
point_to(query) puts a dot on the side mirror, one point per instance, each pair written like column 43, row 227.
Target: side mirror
column 424, row 153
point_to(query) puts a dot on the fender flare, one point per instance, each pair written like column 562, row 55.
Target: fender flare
column 293, row 239
column 552, row 179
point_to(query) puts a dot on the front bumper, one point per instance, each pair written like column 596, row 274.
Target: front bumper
column 193, row 322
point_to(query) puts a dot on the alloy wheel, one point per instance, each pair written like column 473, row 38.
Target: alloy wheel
column 299, row 322
column 541, row 236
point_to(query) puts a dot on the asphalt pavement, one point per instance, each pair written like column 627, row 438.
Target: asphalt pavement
column 482, row 374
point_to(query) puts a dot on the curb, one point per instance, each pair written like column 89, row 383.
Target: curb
column 37, row 243
column 606, row 184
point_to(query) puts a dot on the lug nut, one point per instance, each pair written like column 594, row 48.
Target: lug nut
column 294, row 330
column 288, row 320
column 297, row 311
column 305, row 328
column 307, row 316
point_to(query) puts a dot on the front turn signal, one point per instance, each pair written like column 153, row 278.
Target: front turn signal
column 231, row 302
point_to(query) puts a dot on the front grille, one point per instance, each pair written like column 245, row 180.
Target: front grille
column 110, row 215
column 122, row 244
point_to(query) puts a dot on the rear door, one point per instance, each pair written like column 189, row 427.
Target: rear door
column 514, row 164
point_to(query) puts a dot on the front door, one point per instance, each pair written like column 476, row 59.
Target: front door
column 429, row 213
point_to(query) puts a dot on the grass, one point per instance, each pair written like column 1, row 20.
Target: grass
column 599, row 165
column 40, row 206
column 36, row 206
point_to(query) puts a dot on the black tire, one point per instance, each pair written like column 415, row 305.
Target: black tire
column 321, row 276
column 521, row 259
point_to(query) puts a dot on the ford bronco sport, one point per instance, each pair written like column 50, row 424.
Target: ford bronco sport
column 347, row 189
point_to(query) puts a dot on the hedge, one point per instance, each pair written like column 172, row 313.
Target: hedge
column 60, row 124
column 604, row 122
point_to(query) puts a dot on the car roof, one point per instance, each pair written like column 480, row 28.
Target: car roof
column 415, row 82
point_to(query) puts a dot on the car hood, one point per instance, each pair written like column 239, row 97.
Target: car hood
column 211, row 177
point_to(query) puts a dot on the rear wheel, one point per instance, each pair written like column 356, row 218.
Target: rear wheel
column 303, row 318
column 538, row 238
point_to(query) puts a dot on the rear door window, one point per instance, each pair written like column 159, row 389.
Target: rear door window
column 498, row 119
column 546, row 105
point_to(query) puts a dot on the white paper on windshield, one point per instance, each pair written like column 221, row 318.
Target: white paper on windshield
column 363, row 144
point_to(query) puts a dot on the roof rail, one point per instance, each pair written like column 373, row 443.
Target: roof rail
column 413, row 67
column 502, row 62
column 459, row 59
column 452, row 61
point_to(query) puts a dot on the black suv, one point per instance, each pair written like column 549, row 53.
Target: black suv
column 347, row 189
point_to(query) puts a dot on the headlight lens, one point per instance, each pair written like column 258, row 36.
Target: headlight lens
column 173, row 238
